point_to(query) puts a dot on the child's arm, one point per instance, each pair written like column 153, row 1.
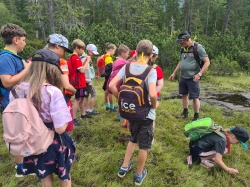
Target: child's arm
column 66, row 84
column 112, row 86
column 85, row 64
column 219, row 161
column 159, row 85
column 9, row 81
column 153, row 94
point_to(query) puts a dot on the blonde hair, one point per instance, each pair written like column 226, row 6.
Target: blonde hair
column 77, row 43
column 144, row 47
column 37, row 74
column 109, row 46
column 122, row 49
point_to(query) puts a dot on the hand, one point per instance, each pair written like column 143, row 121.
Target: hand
column 196, row 78
column 27, row 63
column 232, row 171
column 157, row 104
column 172, row 76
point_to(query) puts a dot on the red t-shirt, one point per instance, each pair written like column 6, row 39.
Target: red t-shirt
column 160, row 75
column 74, row 65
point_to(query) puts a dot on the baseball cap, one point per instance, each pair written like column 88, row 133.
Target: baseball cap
column 60, row 40
column 132, row 52
column 155, row 50
column 241, row 134
column 182, row 37
column 92, row 48
column 46, row 55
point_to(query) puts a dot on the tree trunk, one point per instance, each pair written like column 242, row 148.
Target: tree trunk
column 229, row 3
column 206, row 27
column 51, row 16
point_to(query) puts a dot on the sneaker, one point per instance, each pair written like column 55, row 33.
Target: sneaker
column 93, row 112
column 122, row 172
column 20, row 173
column 139, row 178
column 184, row 115
column 113, row 110
column 85, row 116
column 189, row 160
column 107, row 108
column 76, row 123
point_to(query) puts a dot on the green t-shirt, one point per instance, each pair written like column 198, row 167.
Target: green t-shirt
column 189, row 67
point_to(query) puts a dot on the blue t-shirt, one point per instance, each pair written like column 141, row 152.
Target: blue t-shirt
column 10, row 64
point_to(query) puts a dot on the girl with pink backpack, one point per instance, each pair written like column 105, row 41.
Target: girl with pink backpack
column 43, row 86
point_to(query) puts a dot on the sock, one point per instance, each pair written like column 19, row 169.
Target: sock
column 185, row 110
column 107, row 105
column 112, row 106
column 138, row 175
column 124, row 168
column 20, row 166
column 90, row 110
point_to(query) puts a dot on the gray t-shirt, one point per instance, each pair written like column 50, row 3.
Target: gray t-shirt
column 189, row 67
column 211, row 142
column 138, row 69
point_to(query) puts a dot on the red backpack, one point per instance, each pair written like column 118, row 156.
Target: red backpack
column 101, row 65
column 25, row 133
column 73, row 73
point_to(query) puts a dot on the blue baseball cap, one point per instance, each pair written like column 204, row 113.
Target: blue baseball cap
column 241, row 134
column 60, row 40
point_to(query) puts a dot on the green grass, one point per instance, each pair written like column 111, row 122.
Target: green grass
column 101, row 144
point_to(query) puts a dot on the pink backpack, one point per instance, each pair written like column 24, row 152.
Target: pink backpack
column 25, row 133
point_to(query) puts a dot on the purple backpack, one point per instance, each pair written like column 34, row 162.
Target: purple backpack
column 133, row 97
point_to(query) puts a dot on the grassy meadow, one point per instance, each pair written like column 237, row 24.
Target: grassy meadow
column 101, row 144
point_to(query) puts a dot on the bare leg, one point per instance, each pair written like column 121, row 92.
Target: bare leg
column 82, row 105
column 66, row 183
column 47, row 181
column 142, row 157
column 185, row 101
column 75, row 107
column 91, row 103
column 18, row 159
column 129, row 152
column 111, row 101
column 196, row 105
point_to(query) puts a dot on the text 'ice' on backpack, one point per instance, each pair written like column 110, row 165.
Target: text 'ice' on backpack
column 133, row 97
column 25, row 133
column 195, row 53
column 196, row 129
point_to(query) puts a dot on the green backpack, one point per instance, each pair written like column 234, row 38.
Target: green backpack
column 196, row 129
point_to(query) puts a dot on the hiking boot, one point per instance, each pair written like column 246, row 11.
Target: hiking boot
column 107, row 108
column 139, row 178
column 85, row 116
column 122, row 172
column 93, row 112
column 76, row 123
column 113, row 110
column 184, row 115
column 196, row 116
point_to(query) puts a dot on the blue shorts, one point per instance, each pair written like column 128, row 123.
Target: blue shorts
column 189, row 87
column 142, row 133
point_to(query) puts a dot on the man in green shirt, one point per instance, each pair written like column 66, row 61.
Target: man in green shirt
column 190, row 73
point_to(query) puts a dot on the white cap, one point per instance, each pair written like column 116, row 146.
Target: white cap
column 92, row 48
column 155, row 50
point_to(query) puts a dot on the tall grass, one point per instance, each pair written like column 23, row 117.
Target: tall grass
column 101, row 144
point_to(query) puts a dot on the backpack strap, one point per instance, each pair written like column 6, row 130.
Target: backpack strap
column 195, row 52
column 144, row 75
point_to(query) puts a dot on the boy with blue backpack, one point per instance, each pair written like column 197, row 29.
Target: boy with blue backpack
column 137, row 106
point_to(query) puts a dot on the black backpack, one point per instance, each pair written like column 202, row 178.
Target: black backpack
column 133, row 97
column 196, row 55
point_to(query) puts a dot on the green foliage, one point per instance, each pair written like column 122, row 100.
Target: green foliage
column 222, row 66
column 5, row 15
column 244, row 60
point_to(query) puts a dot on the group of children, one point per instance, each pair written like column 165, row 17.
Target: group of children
column 50, row 82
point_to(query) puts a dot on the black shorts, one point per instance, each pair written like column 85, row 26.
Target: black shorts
column 189, row 87
column 81, row 93
column 142, row 133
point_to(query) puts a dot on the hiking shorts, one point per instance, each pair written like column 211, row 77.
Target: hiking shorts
column 80, row 93
column 91, row 91
column 142, row 133
column 189, row 87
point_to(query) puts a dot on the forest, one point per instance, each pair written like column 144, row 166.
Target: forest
column 221, row 26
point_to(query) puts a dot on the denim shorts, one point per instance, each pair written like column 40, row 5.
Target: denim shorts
column 189, row 87
column 142, row 133
column 81, row 93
